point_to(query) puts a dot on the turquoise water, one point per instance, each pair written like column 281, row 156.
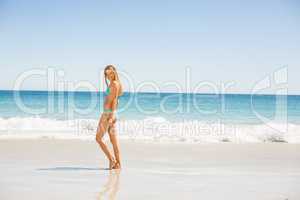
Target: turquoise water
column 228, row 108
column 156, row 116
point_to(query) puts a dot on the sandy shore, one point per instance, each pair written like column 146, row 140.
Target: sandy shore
column 74, row 169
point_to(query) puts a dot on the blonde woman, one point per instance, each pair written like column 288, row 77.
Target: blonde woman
column 108, row 119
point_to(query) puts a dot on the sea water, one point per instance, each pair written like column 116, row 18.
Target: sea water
column 157, row 117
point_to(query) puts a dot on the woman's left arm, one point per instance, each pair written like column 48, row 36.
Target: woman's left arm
column 113, row 98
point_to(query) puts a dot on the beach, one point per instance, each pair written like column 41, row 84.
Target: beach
column 202, row 96
column 77, row 169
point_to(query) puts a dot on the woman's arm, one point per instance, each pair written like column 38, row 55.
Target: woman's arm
column 112, row 99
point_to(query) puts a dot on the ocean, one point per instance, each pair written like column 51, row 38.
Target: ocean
column 154, row 117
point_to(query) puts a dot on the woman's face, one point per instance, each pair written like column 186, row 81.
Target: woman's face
column 109, row 74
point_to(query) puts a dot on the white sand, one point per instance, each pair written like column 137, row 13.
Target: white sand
column 74, row 169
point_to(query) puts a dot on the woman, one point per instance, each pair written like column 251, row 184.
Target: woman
column 108, row 118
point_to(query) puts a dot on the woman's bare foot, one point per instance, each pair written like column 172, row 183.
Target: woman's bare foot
column 112, row 164
column 117, row 165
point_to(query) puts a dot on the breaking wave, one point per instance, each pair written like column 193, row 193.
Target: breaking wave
column 155, row 129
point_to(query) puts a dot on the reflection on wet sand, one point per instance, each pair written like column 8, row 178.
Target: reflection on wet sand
column 110, row 189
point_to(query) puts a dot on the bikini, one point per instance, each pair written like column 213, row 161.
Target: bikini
column 108, row 110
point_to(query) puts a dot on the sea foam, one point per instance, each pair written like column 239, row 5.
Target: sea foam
column 155, row 129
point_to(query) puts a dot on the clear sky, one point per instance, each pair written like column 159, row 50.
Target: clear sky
column 221, row 41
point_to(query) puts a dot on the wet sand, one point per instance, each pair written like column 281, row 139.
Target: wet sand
column 75, row 169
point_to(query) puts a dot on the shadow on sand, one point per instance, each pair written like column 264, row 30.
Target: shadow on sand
column 71, row 168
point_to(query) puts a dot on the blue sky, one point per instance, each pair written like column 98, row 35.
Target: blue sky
column 221, row 41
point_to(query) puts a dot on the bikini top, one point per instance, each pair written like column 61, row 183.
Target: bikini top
column 107, row 92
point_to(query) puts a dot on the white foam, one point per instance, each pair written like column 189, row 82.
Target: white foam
column 155, row 129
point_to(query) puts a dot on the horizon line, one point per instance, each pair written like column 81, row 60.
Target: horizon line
column 201, row 93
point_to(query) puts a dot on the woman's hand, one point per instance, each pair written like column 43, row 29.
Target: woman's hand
column 111, row 118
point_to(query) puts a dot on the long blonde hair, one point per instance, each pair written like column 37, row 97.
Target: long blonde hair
column 116, row 76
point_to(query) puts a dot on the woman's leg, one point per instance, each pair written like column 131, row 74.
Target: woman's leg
column 115, row 144
column 102, row 127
